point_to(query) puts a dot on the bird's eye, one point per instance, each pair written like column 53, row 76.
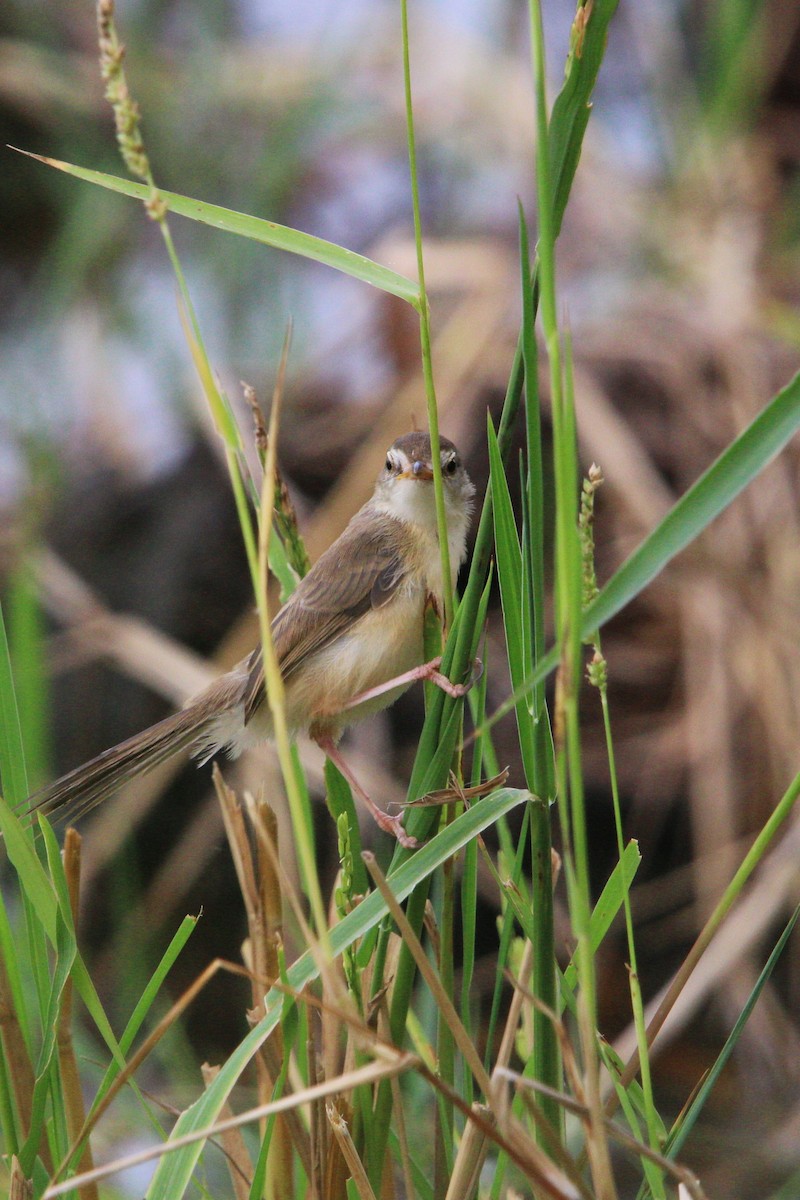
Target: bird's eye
column 389, row 463
column 451, row 466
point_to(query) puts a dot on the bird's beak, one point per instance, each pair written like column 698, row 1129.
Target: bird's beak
column 419, row 470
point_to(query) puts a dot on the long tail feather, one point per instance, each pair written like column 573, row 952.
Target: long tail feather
column 86, row 786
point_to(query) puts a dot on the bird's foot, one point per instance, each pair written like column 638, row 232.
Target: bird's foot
column 430, row 672
column 383, row 820
column 394, row 826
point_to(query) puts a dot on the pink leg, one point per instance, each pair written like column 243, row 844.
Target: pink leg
column 428, row 670
column 389, row 824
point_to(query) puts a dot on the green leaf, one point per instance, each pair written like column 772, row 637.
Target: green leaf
column 632, row 1102
column 718, row 487
column 33, row 878
column 143, row 1006
column 26, row 641
column 13, row 776
column 269, row 233
column 679, row 1134
column 340, row 800
column 607, row 907
column 65, row 957
column 572, row 107
column 508, row 556
column 148, row 996
column 174, row 1170
column 729, row 475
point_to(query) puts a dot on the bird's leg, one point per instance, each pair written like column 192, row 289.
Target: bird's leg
column 386, row 822
column 429, row 671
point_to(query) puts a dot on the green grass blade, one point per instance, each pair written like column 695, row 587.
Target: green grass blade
column 340, row 802
column 508, row 557
column 32, row 876
column 679, row 1135
column 13, row 775
column 269, row 233
column 26, row 641
column 714, row 491
column 545, row 1061
column 533, row 539
column 633, row 1104
column 175, row 1169
column 144, row 1004
column 64, row 959
column 572, row 107
column 515, row 908
column 608, row 905
column 716, row 488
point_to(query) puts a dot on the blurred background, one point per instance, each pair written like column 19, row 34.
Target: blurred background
column 679, row 280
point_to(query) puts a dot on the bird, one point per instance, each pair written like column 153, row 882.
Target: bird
column 348, row 640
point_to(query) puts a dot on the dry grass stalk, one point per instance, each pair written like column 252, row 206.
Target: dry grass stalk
column 289, row 896
column 21, row 1188
column 587, row 1085
column 577, row 1105
column 338, row 1120
column 264, row 888
column 502, row 1070
column 509, row 1134
column 456, row 792
column 67, row 1059
column 317, row 1124
column 515, row 1009
column 399, row 1119
column 470, row 1157
column 250, row 829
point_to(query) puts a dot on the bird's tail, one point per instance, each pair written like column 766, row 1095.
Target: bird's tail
column 81, row 789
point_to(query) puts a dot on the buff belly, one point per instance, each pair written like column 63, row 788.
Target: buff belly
column 382, row 644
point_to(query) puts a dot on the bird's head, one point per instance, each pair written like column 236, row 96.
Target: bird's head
column 405, row 485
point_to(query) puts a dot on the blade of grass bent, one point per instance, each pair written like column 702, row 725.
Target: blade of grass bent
column 269, row 233
column 737, row 466
column 717, row 487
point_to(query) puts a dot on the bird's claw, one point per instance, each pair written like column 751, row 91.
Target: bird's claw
column 394, row 826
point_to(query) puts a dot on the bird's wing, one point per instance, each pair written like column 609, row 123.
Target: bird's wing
column 360, row 572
